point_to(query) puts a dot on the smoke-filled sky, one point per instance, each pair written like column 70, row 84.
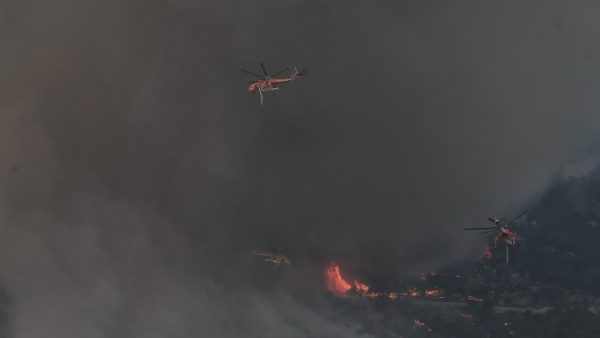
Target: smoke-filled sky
column 137, row 173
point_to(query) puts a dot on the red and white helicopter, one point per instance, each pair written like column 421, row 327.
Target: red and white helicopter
column 270, row 83
column 505, row 233
column 273, row 258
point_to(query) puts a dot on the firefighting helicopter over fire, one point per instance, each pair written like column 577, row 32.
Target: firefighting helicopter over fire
column 505, row 233
column 273, row 258
column 270, row 83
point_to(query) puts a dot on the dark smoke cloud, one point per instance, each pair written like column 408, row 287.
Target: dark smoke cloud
column 137, row 174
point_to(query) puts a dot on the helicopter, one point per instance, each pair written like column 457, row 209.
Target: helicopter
column 270, row 83
column 505, row 232
column 273, row 258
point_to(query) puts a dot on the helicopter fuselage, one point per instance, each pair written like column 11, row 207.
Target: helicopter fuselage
column 268, row 84
column 507, row 235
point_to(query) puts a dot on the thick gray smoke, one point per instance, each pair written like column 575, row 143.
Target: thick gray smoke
column 136, row 172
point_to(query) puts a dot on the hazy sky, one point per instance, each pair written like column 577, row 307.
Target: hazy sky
column 137, row 173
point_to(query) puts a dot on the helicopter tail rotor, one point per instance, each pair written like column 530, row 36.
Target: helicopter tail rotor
column 298, row 72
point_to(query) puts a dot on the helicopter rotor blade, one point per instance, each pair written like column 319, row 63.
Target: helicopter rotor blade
column 281, row 71
column 263, row 69
column 251, row 73
column 516, row 218
column 485, row 232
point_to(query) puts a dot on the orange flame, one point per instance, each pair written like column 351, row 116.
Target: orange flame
column 335, row 282
column 361, row 287
column 338, row 285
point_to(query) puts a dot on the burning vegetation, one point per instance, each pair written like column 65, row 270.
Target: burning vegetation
column 335, row 282
column 339, row 286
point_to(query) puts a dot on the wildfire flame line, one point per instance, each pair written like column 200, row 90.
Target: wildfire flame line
column 340, row 287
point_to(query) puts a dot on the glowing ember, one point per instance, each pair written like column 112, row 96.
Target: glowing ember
column 419, row 323
column 466, row 316
column 413, row 292
column 360, row 287
column 433, row 293
column 488, row 254
column 475, row 299
column 335, row 282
